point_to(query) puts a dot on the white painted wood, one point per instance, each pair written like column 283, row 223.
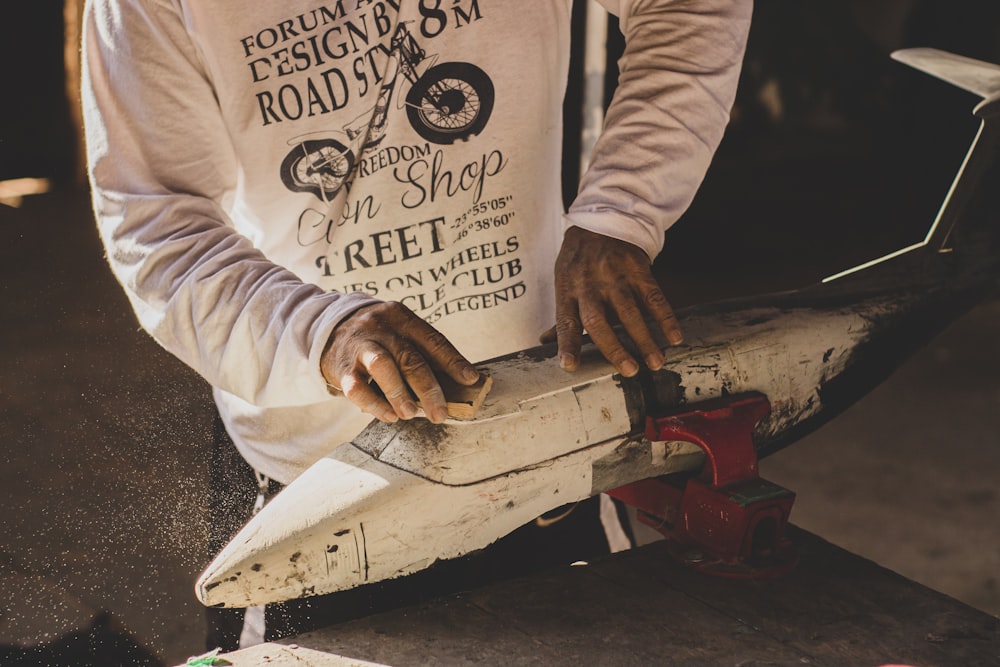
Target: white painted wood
column 351, row 519
column 400, row 498
column 534, row 412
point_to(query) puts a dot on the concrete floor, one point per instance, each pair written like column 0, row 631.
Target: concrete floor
column 103, row 465
column 104, row 456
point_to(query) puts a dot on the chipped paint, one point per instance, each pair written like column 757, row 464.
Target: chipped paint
column 531, row 415
column 545, row 439
column 417, row 492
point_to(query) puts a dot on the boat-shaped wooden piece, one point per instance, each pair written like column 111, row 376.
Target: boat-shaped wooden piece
column 400, row 497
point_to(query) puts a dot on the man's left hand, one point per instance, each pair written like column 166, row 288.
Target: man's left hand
column 600, row 280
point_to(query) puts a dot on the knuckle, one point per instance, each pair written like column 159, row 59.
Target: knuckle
column 410, row 361
column 370, row 405
column 670, row 317
column 397, row 393
column 363, row 319
column 655, row 297
column 594, row 321
column 434, row 396
column 377, row 357
column 616, row 355
column 351, row 382
column 628, row 309
column 355, row 392
column 568, row 325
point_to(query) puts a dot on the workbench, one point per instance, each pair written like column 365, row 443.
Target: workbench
column 640, row 608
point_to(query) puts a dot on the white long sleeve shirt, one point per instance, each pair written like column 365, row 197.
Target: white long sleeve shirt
column 261, row 170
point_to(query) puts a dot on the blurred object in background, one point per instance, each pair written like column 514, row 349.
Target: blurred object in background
column 38, row 137
column 72, row 27
column 824, row 115
column 13, row 191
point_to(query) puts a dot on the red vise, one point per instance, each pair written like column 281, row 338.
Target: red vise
column 726, row 521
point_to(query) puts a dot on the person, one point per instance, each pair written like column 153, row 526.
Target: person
column 323, row 207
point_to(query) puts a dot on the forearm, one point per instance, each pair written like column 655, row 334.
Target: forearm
column 162, row 168
column 205, row 294
column 678, row 81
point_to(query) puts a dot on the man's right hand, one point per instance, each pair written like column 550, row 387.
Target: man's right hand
column 386, row 344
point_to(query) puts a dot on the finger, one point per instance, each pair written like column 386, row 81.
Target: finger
column 633, row 320
column 604, row 337
column 658, row 307
column 381, row 366
column 548, row 336
column 569, row 336
column 419, row 376
column 357, row 390
column 440, row 353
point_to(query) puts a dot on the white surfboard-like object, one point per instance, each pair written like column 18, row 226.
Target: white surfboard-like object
column 402, row 496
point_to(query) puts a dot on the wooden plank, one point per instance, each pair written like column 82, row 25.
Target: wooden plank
column 845, row 610
column 638, row 607
column 553, row 623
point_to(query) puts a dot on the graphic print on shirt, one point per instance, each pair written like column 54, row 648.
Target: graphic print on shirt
column 446, row 102
column 396, row 154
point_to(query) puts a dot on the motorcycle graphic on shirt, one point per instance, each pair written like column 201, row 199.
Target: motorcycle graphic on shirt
column 446, row 102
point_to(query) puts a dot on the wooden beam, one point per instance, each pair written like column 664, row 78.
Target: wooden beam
column 73, row 25
column 639, row 607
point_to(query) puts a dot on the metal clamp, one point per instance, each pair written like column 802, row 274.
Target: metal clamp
column 727, row 521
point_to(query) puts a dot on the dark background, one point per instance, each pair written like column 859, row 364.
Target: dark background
column 836, row 154
column 37, row 135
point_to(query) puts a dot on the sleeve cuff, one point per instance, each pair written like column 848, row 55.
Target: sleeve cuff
column 341, row 307
column 619, row 226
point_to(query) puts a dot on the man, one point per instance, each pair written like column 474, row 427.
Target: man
column 322, row 206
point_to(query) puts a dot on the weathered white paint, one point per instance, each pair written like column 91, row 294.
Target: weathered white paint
column 787, row 355
column 351, row 519
column 401, row 497
column 534, row 413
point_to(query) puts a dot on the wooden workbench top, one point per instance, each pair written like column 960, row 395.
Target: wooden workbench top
column 639, row 608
